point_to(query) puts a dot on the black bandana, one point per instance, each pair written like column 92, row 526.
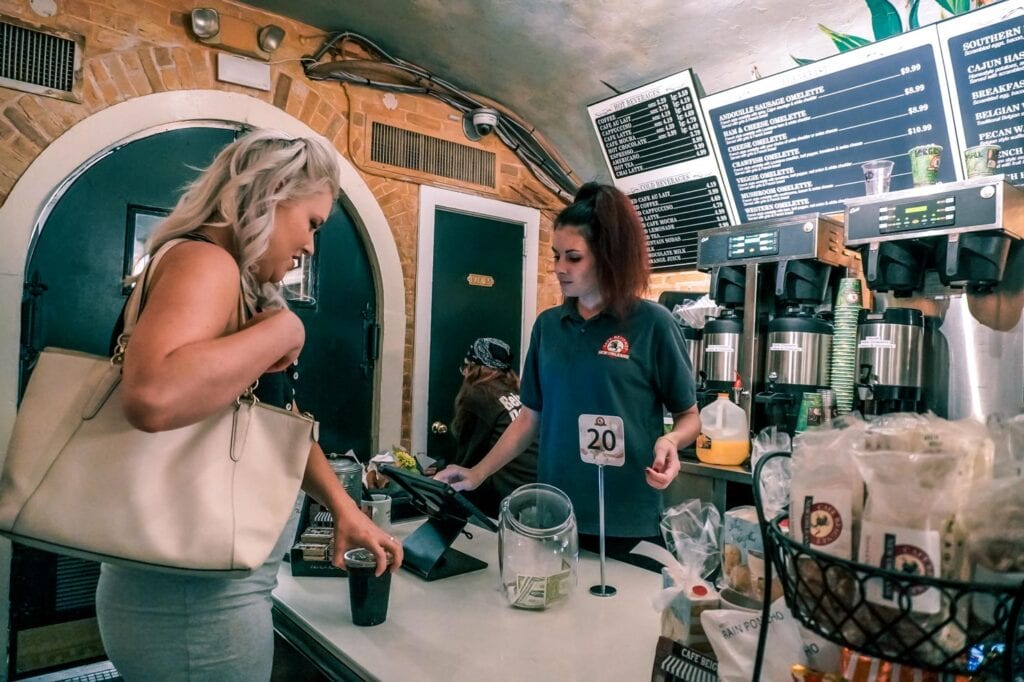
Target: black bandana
column 490, row 352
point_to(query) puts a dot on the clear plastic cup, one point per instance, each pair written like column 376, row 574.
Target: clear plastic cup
column 877, row 176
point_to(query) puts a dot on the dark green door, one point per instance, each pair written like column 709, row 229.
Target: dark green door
column 337, row 363
column 73, row 296
column 79, row 255
column 477, row 291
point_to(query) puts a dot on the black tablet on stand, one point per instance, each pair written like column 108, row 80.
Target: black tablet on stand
column 428, row 551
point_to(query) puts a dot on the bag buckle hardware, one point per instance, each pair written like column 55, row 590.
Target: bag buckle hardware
column 249, row 395
column 122, row 343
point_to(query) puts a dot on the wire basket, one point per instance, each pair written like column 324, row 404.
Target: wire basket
column 977, row 628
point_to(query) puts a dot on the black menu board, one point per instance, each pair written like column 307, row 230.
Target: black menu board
column 673, row 211
column 652, row 134
column 655, row 142
column 794, row 142
column 984, row 53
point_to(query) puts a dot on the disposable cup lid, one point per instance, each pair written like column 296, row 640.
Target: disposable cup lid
column 360, row 557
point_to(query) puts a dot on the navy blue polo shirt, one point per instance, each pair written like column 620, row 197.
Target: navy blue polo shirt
column 629, row 368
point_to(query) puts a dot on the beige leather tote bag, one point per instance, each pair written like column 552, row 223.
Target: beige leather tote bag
column 211, row 498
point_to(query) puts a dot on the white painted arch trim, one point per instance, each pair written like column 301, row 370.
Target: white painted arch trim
column 431, row 199
column 21, row 215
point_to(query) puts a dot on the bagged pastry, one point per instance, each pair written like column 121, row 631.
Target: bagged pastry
column 827, row 493
column 741, row 534
column 909, row 527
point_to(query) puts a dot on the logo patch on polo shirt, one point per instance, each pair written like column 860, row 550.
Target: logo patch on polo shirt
column 616, row 347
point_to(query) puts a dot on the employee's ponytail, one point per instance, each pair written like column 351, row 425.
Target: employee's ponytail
column 608, row 221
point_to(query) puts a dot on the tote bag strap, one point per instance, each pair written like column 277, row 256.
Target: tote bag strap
column 137, row 299
column 138, row 296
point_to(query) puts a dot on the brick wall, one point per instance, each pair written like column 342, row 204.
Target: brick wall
column 138, row 47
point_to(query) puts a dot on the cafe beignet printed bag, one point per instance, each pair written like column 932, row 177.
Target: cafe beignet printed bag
column 209, row 498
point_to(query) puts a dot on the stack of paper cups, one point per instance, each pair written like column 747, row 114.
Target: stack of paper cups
column 844, row 343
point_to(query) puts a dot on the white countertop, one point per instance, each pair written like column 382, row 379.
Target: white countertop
column 462, row 628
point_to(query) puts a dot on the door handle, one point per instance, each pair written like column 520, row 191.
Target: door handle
column 439, row 428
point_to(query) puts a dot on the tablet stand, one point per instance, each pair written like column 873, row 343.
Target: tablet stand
column 428, row 552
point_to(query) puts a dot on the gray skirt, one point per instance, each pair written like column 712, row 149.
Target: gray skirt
column 158, row 627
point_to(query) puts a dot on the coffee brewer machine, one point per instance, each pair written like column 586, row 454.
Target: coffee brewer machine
column 778, row 272
column 951, row 252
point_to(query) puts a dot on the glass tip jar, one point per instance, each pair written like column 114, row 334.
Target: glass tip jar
column 538, row 546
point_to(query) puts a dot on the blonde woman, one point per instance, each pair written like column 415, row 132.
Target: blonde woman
column 232, row 237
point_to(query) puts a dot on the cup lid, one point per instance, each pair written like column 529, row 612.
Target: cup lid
column 360, row 557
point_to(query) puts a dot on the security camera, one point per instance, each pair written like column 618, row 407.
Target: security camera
column 479, row 122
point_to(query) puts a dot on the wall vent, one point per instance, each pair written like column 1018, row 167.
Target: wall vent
column 43, row 62
column 415, row 151
column 76, row 583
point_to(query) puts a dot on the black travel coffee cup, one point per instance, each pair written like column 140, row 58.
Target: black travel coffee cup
column 367, row 593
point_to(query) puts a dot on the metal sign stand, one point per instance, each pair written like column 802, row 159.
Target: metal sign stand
column 602, row 590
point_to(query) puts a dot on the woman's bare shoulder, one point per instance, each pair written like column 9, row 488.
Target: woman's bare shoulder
column 198, row 257
column 194, row 276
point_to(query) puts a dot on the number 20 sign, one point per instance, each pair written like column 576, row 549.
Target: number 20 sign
column 602, row 440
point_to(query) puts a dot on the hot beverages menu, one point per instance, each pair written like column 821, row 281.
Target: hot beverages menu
column 652, row 134
column 794, row 142
column 984, row 52
column 656, row 145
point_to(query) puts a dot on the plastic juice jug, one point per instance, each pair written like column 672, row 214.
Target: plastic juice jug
column 723, row 433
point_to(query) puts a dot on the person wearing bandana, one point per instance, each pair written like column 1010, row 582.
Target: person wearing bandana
column 487, row 403
column 600, row 371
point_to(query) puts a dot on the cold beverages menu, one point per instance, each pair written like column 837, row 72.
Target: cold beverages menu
column 985, row 56
column 673, row 213
column 794, row 142
column 655, row 143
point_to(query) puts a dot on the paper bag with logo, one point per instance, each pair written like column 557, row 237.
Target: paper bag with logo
column 733, row 635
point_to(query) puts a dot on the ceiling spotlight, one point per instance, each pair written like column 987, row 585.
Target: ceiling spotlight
column 270, row 37
column 205, row 23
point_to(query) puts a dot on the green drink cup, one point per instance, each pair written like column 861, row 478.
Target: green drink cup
column 981, row 160
column 924, row 164
column 849, row 293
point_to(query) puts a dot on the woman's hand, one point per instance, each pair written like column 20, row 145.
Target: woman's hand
column 289, row 325
column 459, row 478
column 666, row 464
column 352, row 529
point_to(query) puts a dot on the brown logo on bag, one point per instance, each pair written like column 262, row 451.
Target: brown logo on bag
column 826, row 524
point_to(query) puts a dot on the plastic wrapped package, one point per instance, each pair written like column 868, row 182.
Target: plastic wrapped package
column 683, row 597
column 777, row 473
column 691, row 530
column 1008, row 438
column 908, row 526
column 827, row 491
column 694, row 313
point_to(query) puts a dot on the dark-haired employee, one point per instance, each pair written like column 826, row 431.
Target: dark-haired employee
column 605, row 352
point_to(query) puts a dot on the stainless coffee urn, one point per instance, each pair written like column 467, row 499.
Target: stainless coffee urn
column 694, row 340
column 723, row 337
column 890, row 345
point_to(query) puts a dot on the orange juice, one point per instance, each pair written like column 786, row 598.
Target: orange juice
column 719, row 451
column 723, row 433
